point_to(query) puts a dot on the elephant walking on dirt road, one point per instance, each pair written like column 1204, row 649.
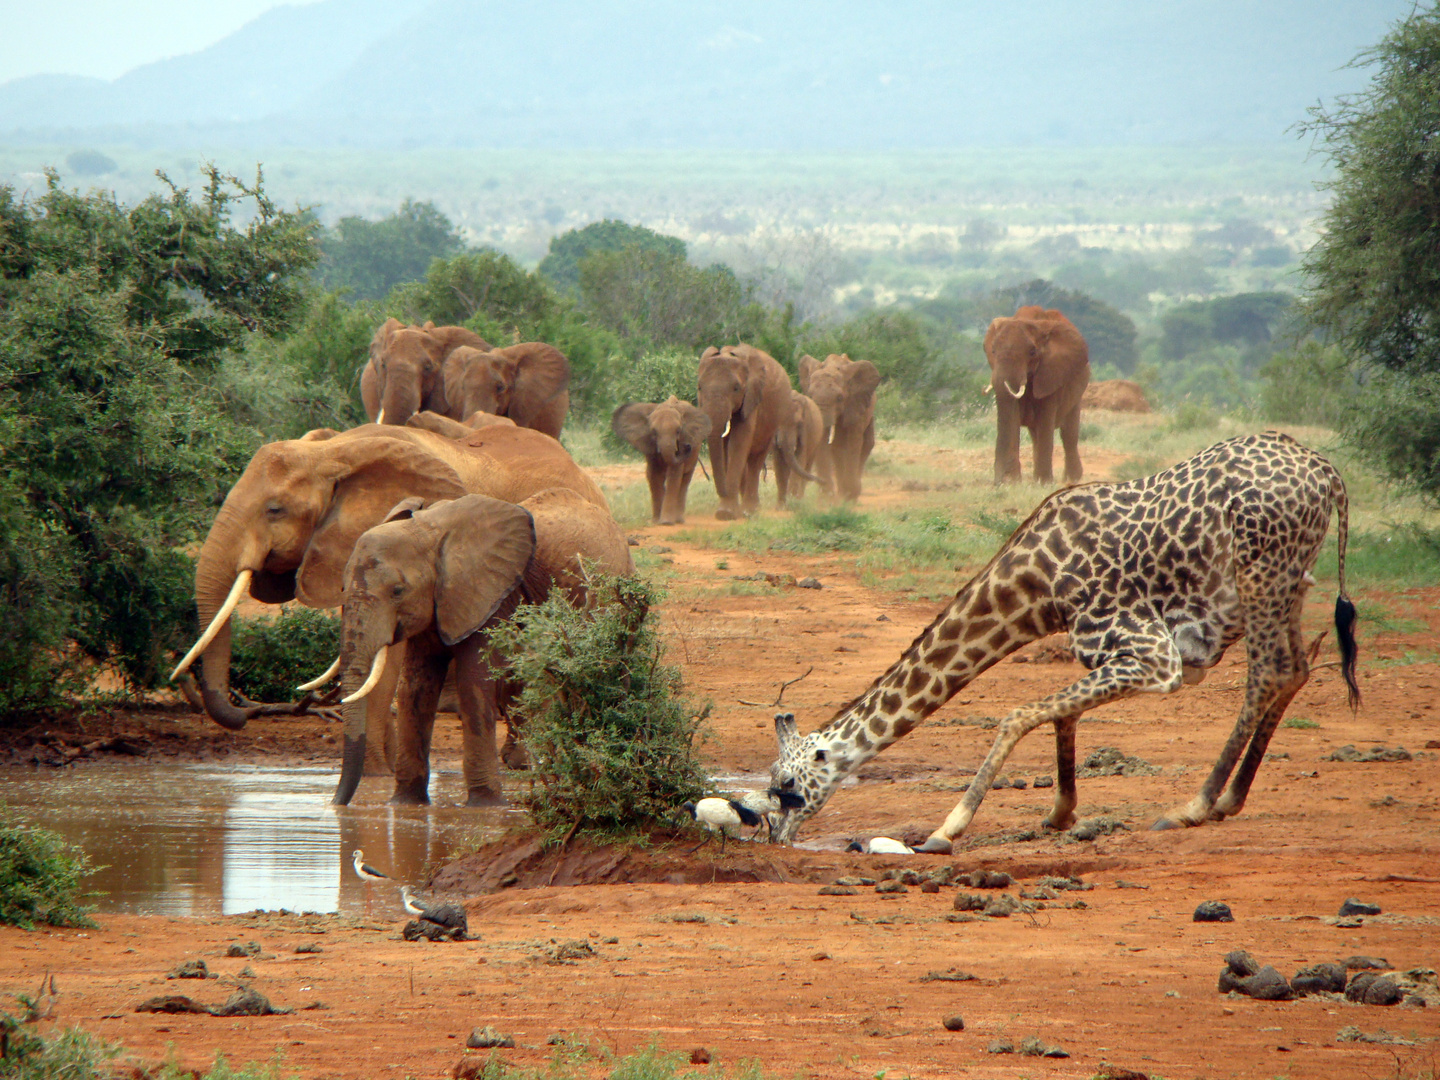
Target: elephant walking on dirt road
column 844, row 389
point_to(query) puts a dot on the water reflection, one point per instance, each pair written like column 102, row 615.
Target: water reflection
column 209, row 840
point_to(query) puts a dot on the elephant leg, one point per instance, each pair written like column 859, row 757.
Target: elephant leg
column 655, row 476
column 726, row 463
column 782, row 477
column 673, row 489
column 477, row 686
column 1007, row 441
column 380, row 723
column 1042, row 436
column 682, row 490
column 420, row 685
column 1070, row 439
column 750, row 484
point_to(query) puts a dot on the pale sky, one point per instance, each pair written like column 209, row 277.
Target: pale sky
column 106, row 38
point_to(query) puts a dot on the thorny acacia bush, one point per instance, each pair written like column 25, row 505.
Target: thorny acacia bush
column 608, row 725
column 40, row 877
column 270, row 657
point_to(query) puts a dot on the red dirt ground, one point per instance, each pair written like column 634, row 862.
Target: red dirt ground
column 756, row 965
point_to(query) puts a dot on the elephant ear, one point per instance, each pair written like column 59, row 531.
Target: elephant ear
column 693, row 423
column 754, row 386
column 486, row 550
column 405, row 508
column 541, row 375
column 371, row 474
column 1063, row 357
column 632, row 423
column 808, row 366
column 861, row 380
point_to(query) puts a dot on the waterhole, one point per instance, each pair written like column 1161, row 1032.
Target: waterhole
column 208, row 840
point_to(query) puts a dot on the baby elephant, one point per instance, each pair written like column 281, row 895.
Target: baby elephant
column 670, row 435
column 417, row 589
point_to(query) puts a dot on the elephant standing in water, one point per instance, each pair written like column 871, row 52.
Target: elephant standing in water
column 746, row 394
column 428, row 581
column 669, row 435
column 289, row 524
column 845, row 391
column 405, row 371
column 528, row 382
column 1039, row 368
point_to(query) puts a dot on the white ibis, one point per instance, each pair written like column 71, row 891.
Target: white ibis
column 365, row 871
column 449, row 917
column 881, row 845
column 769, row 805
column 717, row 815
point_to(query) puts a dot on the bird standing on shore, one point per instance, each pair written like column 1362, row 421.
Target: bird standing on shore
column 365, row 871
column 449, row 917
column 717, row 815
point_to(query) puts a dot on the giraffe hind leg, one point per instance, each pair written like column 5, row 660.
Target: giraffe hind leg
column 1062, row 816
column 1153, row 665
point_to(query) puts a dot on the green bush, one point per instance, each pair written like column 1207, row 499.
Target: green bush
column 608, row 726
column 652, row 376
column 1312, row 384
column 655, row 296
column 40, row 877
column 270, row 657
column 484, row 289
column 369, row 258
column 562, row 263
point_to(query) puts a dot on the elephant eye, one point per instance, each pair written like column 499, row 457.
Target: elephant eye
column 274, row 510
column 686, row 449
column 819, row 755
column 397, row 591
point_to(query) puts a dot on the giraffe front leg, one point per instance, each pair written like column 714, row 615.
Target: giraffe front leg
column 1062, row 816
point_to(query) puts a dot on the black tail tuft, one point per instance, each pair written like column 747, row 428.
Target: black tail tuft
column 747, row 816
column 1345, row 635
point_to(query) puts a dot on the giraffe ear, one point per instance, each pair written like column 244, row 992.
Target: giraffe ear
column 785, row 729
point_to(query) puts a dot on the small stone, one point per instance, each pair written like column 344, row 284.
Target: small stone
column 948, row 975
column 1000, row 1046
column 1352, row 907
column 247, row 972
column 250, row 948
column 821, row 956
column 1002, row 906
column 487, row 1037
column 1213, row 911
column 836, row 890
column 190, row 969
column 1267, row 984
column 811, row 583
column 1241, row 963
column 891, row 886
column 309, row 947
column 1044, row 781
column 1117, row 1072
column 1056, row 1052
column 954, row 1022
column 1364, row 963
column 1374, row 990
column 170, row 1003
column 1018, row 782
column 1324, row 978
column 852, row 879
column 882, row 618
column 930, row 885
column 700, row 1056
column 1000, row 782
column 911, row 877
column 1040, row 892
column 247, row 1001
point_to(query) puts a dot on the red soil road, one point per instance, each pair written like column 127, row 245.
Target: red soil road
column 831, row 986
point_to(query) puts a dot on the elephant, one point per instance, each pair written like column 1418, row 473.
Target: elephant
column 845, row 391
column 404, row 372
column 289, row 523
column 1039, row 368
column 431, row 579
column 746, row 394
column 528, row 382
column 456, row 429
column 800, row 441
column 669, row 435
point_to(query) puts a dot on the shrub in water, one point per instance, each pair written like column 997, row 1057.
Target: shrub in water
column 40, row 877
column 270, row 657
column 609, row 728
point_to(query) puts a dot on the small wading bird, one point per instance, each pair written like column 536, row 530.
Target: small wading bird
column 770, row 805
column 717, row 815
column 881, row 845
column 365, row 871
column 447, row 916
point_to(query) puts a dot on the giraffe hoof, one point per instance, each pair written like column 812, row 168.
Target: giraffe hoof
column 936, row 845
column 1165, row 825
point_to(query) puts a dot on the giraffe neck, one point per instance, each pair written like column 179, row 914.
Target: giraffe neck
column 991, row 617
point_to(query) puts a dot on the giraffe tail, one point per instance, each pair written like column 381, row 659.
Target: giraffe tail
column 1344, row 607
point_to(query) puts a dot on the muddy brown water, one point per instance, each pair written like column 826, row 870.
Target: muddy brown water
column 198, row 840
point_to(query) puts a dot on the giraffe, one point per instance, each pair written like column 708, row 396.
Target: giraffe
column 1153, row 579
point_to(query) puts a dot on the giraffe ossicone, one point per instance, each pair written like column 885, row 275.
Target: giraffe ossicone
column 1153, row 579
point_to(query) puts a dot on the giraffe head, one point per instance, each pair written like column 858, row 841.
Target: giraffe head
column 809, row 766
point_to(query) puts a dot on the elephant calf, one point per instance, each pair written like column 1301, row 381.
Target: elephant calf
column 422, row 584
column 670, row 435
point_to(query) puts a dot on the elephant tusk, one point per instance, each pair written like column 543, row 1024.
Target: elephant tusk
column 380, row 416
column 988, row 387
column 315, row 684
column 1013, row 392
column 726, row 433
column 377, row 668
column 830, row 439
column 242, row 582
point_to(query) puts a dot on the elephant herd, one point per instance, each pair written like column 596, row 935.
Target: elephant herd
column 747, row 411
column 458, row 504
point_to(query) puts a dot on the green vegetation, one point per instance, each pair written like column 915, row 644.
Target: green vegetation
column 568, row 250
column 1301, row 723
column 369, row 258
column 270, row 657
column 611, row 734
column 576, row 1059
column 40, row 877
column 115, row 326
column 1373, row 282
column 75, row 1054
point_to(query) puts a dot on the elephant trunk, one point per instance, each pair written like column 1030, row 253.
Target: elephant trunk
column 357, row 674
column 720, row 417
column 787, row 451
column 220, row 581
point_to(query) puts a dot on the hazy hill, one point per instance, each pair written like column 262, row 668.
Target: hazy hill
column 814, row 74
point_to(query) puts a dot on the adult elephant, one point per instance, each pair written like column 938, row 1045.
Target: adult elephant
column 746, row 394
column 405, row 371
column 798, row 441
column 456, row 429
column 670, row 435
column 1039, row 368
column 432, row 580
column 844, row 389
column 528, row 382
column 288, row 525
